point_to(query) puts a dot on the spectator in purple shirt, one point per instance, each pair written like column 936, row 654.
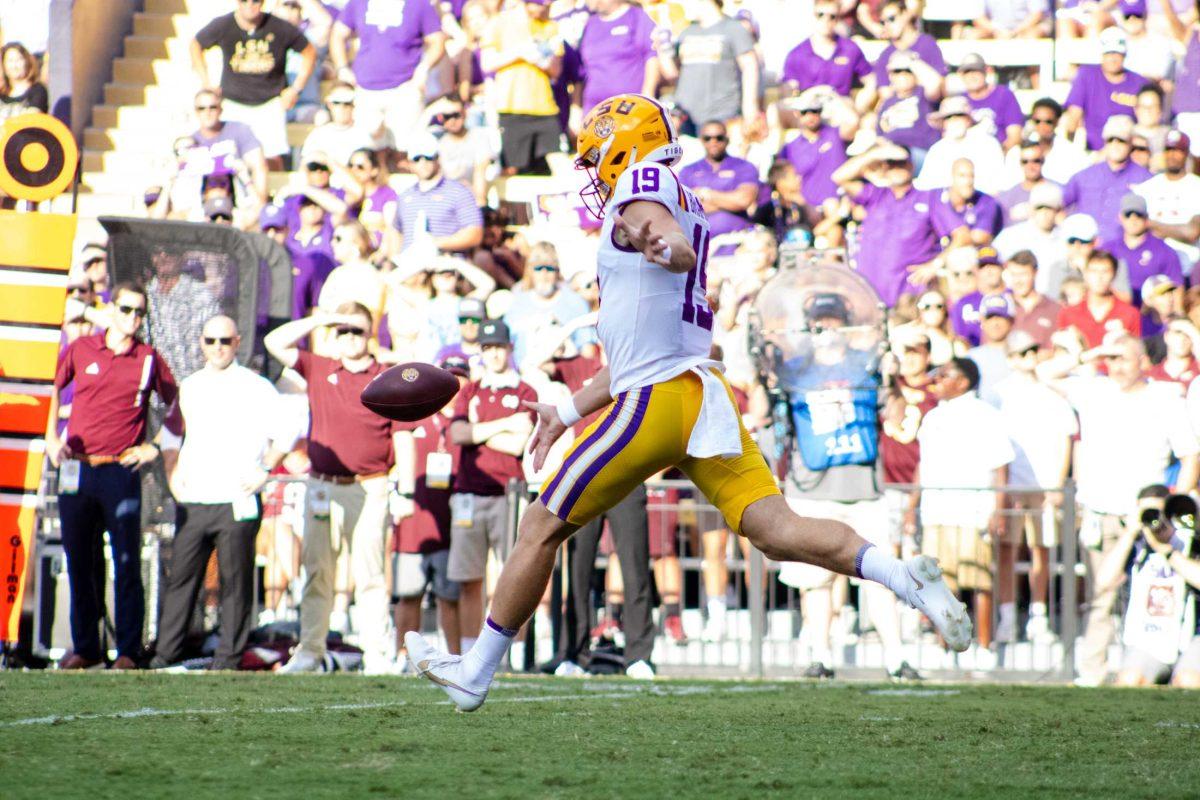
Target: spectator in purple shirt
column 1142, row 253
column 819, row 149
column 898, row 249
column 963, row 215
column 900, row 29
column 1186, row 99
column 310, row 246
column 1014, row 202
column 726, row 185
column 989, row 280
column 215, row 138
column 617, row 53
column 436, row 207
column 903, row 117
column 1100, row 92
column 1097, row 190
column 826, row 58
column 398, row 43
column 994, row 105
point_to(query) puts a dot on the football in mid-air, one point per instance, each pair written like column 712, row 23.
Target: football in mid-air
column 410, row 392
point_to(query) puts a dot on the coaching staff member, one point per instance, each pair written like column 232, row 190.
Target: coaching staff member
column 351, row 451
column 99, row 487
column 236, row 434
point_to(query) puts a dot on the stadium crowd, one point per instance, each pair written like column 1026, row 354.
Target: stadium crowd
column 1037, row 259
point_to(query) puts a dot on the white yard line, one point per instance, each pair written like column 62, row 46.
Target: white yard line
column 594, row 691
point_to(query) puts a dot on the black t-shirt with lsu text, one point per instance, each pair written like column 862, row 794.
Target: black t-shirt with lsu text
column 253, row 61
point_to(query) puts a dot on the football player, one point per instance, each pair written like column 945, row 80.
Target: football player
column 668, row 405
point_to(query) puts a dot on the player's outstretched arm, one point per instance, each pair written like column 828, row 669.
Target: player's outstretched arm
column 550, row 425
column 649, row 228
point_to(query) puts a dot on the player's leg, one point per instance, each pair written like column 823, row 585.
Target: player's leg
column 637, row 436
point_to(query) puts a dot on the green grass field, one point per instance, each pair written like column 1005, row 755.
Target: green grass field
column 199, row 736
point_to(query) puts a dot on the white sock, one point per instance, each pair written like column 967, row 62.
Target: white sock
column 466, row 643
column 876, row 565
column 1008, row 611
column 1037, row 610
column 481, row 661
column 716, row 608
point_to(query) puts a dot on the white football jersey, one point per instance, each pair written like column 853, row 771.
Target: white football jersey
column 654, row 324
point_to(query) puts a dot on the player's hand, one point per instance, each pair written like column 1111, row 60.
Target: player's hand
column 652, row 246
column 549, row 428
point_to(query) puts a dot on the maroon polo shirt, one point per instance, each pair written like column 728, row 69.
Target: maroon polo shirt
column 344, row 437
column 427, row 529
column 112, row 394
column 576, row 373
column 898, row 445
column 1120, row 316
column 483, row 470
column 1040, row 322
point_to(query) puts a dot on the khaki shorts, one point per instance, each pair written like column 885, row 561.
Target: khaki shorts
column 1030, row 521
column 967, row 558
column 469, row 544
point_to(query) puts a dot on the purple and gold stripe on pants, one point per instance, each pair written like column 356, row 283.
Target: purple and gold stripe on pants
column 599, row 448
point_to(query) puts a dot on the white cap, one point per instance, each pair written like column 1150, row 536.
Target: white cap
column 1112, row 40
column 1080, row 226
column 1046, row 194
column 1117, row 127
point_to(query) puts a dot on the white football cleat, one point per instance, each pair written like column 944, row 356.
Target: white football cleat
column 569, row 669
column 302, row 662
column 443, row 669
column 928, row 593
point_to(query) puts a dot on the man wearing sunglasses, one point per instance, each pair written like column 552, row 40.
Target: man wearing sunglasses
column 100, row 487
column 352, row 451
column 1062, row 158
column 726, row 185
column 338, row 138
column 254, row 88
column 442, row 208
column 900, row 30
column 1097, row 190
column 237, row 432
column 215, row 137
column 471, row 314
column 826, row 58
column 1142, row 253
column 1014, row 201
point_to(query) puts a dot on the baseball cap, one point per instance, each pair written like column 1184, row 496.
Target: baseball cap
column 272, row 216
column 1133, row 8
column 901, row 60
column 953, row 106
column 1019, row 342
column 423, row 145
column 1133, row 202
column 972, row 62
column 456, row 365
column 494, row 331
column 989, row 257
column 471, row 307
column 1157, row 285
column 1112, row 40
column 218, row 207
column 1177, row 140
column 342, row 93
column 1046, row 194
column 810, row 101
column 1118, row 127
column 1080, row 226
column 906, row 338
column 827, row 305
column 996, row 305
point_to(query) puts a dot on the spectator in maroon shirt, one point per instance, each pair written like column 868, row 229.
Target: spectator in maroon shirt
column 351, row 450
column 1101, row 311
column 426, row 461
column 492, row 427
column 1037, row 315
column 909, row 400
column 1182, row 344
column 100, row 487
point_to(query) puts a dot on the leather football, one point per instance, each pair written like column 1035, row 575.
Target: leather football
column 410, row 392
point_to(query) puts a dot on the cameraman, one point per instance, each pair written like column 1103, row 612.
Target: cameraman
column 1159, row 559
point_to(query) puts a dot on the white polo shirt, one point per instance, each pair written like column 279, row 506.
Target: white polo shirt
column 230, row 416
column 1040, row 425
column 1126, row 439
column 963, row 442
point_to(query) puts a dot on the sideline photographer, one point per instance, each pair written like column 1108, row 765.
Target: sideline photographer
column 1159, row 559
